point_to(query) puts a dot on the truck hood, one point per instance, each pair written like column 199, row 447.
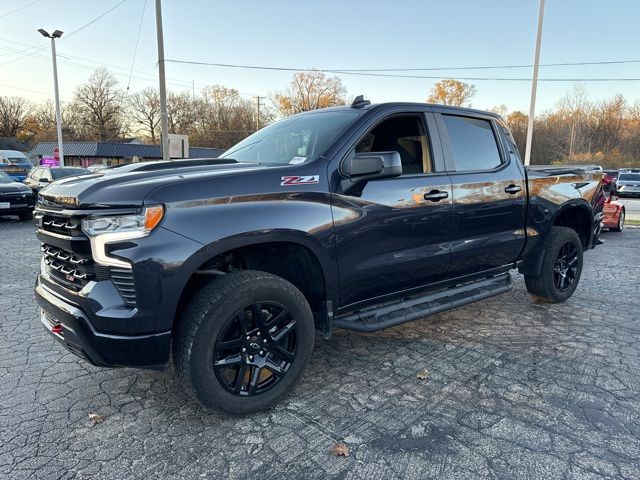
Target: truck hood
column 110, row 188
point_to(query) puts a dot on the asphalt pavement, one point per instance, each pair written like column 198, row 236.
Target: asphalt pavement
column 632, row 207
column 514, row 389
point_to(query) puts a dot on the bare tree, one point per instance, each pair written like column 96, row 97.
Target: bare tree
column 98, row 107
column 310, row 91
column 609, row 116
column 14, row 113
column 144, row 112
column 517, row 122
column 452, row 92
column 574, row 107
column 225, row 117
column 184, row 112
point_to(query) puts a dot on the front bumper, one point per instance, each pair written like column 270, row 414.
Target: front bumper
column 71, row 326
column 628, row 191
column 17, row 203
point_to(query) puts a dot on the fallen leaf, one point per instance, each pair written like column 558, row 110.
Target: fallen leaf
column 340, row 450
column 423, row 374
column 95, row 418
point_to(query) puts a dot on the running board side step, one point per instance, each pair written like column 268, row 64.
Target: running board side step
column 392, row 314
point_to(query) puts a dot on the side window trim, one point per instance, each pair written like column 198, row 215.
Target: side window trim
column 448, row 149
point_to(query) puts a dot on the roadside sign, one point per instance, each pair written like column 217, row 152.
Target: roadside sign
column 50, row 161
column 178, row 146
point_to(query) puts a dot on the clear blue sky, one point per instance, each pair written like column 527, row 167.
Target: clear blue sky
column 327, row 34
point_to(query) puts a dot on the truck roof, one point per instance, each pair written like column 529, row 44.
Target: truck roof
column 12, row 153
column 377, row 106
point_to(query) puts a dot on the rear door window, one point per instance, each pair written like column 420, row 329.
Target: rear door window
column 473, row 143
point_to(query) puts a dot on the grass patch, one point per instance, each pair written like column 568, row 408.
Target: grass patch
column 632, row 223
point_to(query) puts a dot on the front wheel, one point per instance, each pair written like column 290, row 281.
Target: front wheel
column 244, row 341
column 561, row 267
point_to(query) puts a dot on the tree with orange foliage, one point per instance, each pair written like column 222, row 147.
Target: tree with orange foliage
column 452, row 92
column 311, row 91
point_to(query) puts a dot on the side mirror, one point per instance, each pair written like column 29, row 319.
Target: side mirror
column 373, row 165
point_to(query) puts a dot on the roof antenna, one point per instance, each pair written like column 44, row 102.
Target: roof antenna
column 360, row 102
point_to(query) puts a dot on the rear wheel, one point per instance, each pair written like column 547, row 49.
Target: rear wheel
column 244, row 341
column 561, row 267
column 620, row 226
column 26, row 216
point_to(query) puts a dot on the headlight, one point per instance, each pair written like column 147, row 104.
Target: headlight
column 119, row 228
column 141, row 223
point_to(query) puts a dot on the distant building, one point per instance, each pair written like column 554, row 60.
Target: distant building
column 85, row 154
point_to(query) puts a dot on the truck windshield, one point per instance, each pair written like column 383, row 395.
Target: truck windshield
column 629, row 177
column 4, row 178
column 17, row 160
column 293, row 140
column 61, row 172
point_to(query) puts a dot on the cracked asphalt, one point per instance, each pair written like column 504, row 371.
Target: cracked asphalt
column 515, row 390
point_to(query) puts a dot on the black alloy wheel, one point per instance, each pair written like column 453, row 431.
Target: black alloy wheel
column 255, row 349
column 566, row 267
column 243, row 341
column 560, row 266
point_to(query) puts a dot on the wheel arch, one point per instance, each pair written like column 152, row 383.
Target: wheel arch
column 578, row 215
column 296, row 256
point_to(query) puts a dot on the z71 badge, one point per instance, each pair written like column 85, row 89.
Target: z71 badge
column 300, row 179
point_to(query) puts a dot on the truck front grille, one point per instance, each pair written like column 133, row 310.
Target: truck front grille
column 72, row 270
column 69, row 261
column 62, row 225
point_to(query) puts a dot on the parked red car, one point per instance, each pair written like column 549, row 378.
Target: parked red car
column 614, row 212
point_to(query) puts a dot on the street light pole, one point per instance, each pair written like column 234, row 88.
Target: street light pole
column 164, row 117
column 534, row 86
column 53, row 36
column 258, row 97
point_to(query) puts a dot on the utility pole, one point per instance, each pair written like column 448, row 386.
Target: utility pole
column 258, row 98
column 534, row 86
column 164, row 117
column 53, row 36
column 573, row 132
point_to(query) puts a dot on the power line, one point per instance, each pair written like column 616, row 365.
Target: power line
column 77, row 61
column 135, row 50
column 66, row 37
column 18, row 9
column 486, row 67
column 94, row 20
column 426, row 77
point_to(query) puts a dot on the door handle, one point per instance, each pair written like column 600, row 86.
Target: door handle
column 513, row 189
column 436, row 195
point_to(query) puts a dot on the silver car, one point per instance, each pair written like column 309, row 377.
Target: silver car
column 628, row 184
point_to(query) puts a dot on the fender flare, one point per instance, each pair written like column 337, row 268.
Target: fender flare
column 533, row 263
column 328, row 265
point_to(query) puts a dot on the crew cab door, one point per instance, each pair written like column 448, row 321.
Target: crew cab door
column 489, row 193
column 392, row 234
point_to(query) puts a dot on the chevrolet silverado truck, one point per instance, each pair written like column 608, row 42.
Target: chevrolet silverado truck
column 359, row 217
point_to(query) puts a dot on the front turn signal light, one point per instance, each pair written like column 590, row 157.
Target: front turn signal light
column 152, row 216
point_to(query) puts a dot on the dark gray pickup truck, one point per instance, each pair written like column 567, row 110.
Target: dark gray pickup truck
column 359, row 217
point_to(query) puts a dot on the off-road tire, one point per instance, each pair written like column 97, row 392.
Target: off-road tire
column 543, row 287
column 203, row 320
